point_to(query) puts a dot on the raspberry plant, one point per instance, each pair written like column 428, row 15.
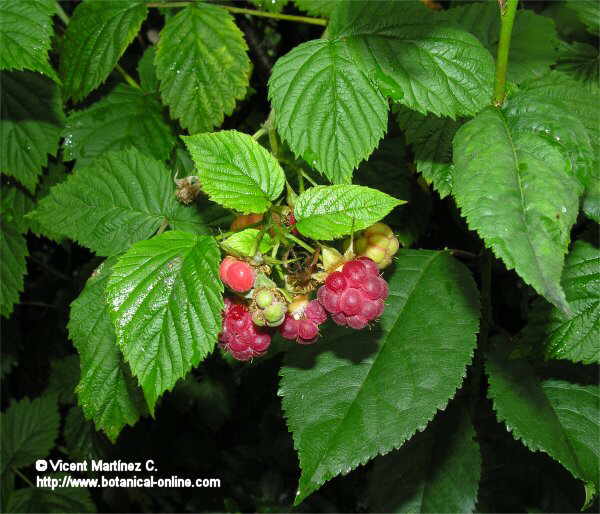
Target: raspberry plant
column 391, row 205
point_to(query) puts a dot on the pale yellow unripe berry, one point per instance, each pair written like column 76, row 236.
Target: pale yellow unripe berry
column 378, row 243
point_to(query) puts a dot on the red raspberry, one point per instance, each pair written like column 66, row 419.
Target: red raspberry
column 303, row 324
column 236, row 274
column 240, row 337
column 355, row 295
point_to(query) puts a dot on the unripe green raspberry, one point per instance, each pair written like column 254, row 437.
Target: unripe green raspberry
column 264, row 298
column 274, row 314
column 378, row 243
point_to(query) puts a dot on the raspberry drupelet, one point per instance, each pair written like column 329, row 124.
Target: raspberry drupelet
column 239, row 336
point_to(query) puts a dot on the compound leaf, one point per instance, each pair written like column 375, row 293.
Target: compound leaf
column 235, row 171
column 96, row 38
column 553, row 416
column 165, row 300
column 29, row 430
column 31, row 120
column 202, row 65
column 355, row 395
column 121, row 198
column 328, row 110
column 573, row 337
column 328, row 212
column 13, row 248
column 516, row 191
column 107, row 392
column 124, row 118
column 26, row 34
column 425, row 65
column 438, row 470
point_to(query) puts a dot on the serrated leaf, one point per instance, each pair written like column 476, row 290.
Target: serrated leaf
column 42, row 499
column 165, row 300
column 588, row 12
column 516, row 191
column 317, row 7
column 534, row 39
column 29, row 430
column 235, row 171
column 431, row 139
column 553, row 416
column 438, row 470
column 26, row 33
column 147, row 71
column 572, row 337
column 552, row 119
column 31, row 120
column 202, row 65
column 81, row 439
column 243, row 243
column 328, row 111
column 106, row 392
column 125, row 118
column 13, row 248
column 14, row 204
column 64, row 375
column 329, row 212
column 356, row 395
column 425, row 65
column 121, row 198
column 580, row 61
column 55, row 175
column 583, row 100
column 95, row 39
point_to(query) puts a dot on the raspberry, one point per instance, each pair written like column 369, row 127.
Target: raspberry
column 379, row 243
column 268, row 308
column 240, row 337
column 354, row 296
column 236, row 274
column 302, row 321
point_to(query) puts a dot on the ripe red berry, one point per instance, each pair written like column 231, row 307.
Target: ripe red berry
column 329, row 300
column 240, row 337
column 370, row 264
column 315, row 312
column 236, row 274
column 351, row 301
column 302, row 323
column 355, row 272
column 336, row 282
column 289, row 328
column 357, row 322
column 374, row 287
column 307, row 331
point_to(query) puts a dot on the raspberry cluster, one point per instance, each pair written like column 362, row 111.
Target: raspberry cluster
column 301, row 324
column 240, row 336
column 355, row 295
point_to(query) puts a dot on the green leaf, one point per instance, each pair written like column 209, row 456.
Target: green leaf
column 31, row 120
column 534, row 39
column 235, row 171
column 553, row 120
column 328, row 110
column 329, row 212
column 14, row 204
column 515, row 190
column 43, row 499
column 147, row 71
column 165, row 299
column 106, row 391
column 356, row 395
column 124, row 118
column 317, row 7
column 553, row 416
column 202, row 65
column 26, row 33
column 81, row 439
column 243, row 243
column 572, row 337
column 422, row 475
column 588, row 12
column 95, row 40
column 121, row 198
column 580, row 61
column 425, row 65
column 431, row 140
column 29, row 430
column 13, row 248
column 64, row 376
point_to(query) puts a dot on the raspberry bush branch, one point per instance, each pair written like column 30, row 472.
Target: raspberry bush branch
column 508, row 11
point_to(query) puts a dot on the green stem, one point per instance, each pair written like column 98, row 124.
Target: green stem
column 163, row 227
column 308, row 177
column 128, row 78
column 259, row 133
column 508, row 10
column 301, row 243
column 251, row 12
